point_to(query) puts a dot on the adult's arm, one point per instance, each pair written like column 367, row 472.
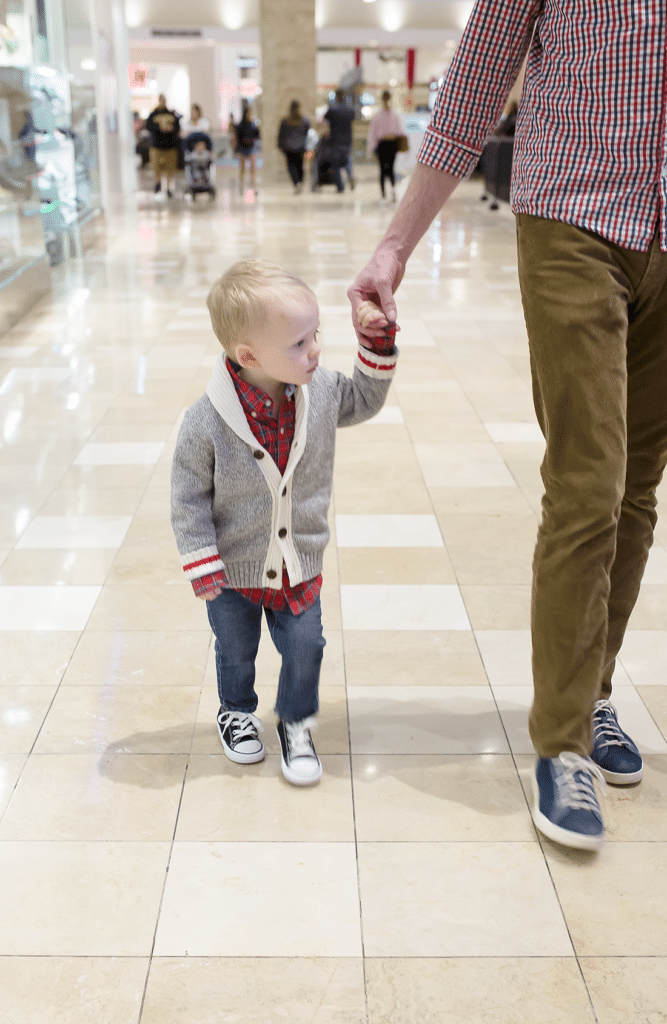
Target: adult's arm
column 427, row 191
column 468, row 106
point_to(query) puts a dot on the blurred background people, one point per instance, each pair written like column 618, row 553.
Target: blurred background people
column 385, row 128
column 246, row 134
column 163, row 125
column 196, row 122
column 339, row 118
column 292, row 136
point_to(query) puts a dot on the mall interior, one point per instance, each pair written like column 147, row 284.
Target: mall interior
column 144, row 877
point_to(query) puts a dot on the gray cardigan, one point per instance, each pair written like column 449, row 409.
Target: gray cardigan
column 230, row 507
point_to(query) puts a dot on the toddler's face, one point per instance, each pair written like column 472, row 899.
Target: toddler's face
column 200, row 147
column 287, row 347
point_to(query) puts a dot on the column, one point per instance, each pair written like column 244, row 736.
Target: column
column 114, row 120
column 289, row 48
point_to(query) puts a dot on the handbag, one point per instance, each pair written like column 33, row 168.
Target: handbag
column 403, row 144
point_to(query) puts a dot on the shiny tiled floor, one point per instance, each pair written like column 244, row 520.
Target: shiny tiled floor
column 143, row 877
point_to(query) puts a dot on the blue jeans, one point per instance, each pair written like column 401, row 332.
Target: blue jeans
column 236, row 623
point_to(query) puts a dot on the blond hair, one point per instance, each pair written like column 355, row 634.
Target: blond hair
column 239, row 300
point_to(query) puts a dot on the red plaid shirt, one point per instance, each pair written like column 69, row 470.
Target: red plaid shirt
column 275, row 435
column 590, row 146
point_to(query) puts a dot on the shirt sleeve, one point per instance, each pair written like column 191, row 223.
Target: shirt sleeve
column 477, row 84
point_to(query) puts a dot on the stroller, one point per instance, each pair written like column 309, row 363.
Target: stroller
column 325, row 157
column 199, row 164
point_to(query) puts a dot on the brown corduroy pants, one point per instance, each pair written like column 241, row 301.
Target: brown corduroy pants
column 596, row 316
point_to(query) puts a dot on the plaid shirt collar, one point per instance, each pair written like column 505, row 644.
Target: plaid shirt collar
column 253, row 399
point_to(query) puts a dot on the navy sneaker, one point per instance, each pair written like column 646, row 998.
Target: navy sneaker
column 238, row 733
column 300, row 764
column 614, row 752
column 565, row 805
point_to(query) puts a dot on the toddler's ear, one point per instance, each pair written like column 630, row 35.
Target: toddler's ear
column 245, row 356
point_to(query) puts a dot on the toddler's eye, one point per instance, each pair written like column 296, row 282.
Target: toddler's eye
column 299, row 344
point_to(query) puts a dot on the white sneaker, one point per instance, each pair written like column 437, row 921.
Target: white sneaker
column 238, row 735
column 301, row 765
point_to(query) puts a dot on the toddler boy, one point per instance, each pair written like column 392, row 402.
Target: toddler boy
column 251, row 485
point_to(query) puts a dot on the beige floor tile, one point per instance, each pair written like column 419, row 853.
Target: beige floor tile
column 627, row 990
column 465, row 501
column 222, row 899
column 148, row 607
column 425, row 720
column 35, row 659
column 24, row 709
column 488, row 549
column 78, row 990
column 56, row 567
column 106, row 477
column 11, row 766
column 331, row 736
column 614, row 901
column 439, row 798
column 80, row 899
column 120, row 720
column 326, row 990
column 655, row 699
column 459, row 899
column 650, row 611
column 86, row 501
column 79, row 797
column 146, row 564
column 643, row 656
column 226, row 802
column 152, row 531
column 476, row 991
column 395, row 565
column 359, row 492
column 497, row 606
column 139, row 658
column 423, row 658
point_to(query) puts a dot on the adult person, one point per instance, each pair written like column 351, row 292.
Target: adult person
column 339, row 117
column 196, row 122
column 246, row 134
column 163, row 125
column 385, row 128
column 589, row 193
column 292, row 141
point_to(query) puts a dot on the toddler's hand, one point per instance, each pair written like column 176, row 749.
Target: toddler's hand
column 370, row 315
column 210, row 595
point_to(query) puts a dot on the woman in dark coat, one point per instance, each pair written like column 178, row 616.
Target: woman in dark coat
column 292, row 141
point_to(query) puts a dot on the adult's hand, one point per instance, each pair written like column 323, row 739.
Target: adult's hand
column 376, row 283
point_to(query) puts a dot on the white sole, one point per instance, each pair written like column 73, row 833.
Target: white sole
column 298, row 780
column 237, row 758
column 563, row 836
column 620, row 778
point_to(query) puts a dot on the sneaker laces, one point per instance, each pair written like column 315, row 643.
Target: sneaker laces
column 605, row 725
column 298, row 736
column 575, row 782
column 244, row 726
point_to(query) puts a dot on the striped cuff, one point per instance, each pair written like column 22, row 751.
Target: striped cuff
column 207, row 584
column 373, row 364
column 199, row 563
column 444, row 154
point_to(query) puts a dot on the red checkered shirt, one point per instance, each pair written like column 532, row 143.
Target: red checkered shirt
column 590, row 146
column 275, row 436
